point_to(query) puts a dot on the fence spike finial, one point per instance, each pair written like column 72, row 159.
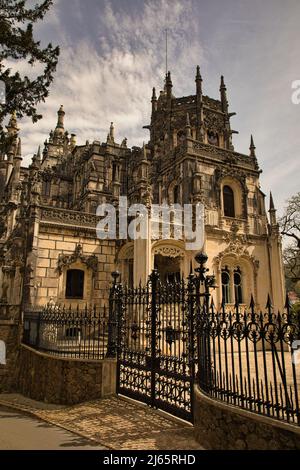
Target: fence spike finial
column 287, row 304
column 269, row 303
column 252, row 303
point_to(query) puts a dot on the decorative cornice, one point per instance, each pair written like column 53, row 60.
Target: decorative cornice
column 68, row 217
column 168, row 250
column 66, row 260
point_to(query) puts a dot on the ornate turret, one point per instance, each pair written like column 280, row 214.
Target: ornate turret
column 60, row 121
column 154, row 101
column 111, row 134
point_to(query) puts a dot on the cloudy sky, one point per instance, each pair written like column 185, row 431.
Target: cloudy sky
column 112, row 54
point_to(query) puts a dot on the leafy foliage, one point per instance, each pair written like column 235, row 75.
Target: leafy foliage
column 290, row 228
column 17, row 43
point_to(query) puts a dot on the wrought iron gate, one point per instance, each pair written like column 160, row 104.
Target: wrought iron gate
column 156, row 344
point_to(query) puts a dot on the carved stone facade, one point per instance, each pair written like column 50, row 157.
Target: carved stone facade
column 48, row 211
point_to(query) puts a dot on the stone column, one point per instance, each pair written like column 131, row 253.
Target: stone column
column 142, row 263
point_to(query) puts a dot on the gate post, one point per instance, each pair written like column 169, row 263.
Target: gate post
column 203, row 329
column 114, row 308
column 154, row 276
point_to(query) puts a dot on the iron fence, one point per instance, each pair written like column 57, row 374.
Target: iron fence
column 69, row 332
column 167, row 337
column 249, row 359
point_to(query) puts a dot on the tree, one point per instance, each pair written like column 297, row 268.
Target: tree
column 290, row 228
column 17, row 43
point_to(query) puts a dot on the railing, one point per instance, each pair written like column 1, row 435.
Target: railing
column 250, row 360
column 245, row 358
column 69, row 333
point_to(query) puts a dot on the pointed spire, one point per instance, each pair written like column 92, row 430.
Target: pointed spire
column 111, row 134
column 154, row 100
column 169, row 85
column 19, row 150
column 38, row 155
column 61, row 115
column 272, row 211
column 188, row 125
column 252, row 147
column 272, row 207
column 223, row 93
column 198, row 81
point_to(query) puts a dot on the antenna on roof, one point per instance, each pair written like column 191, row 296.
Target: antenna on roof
column 166, row 51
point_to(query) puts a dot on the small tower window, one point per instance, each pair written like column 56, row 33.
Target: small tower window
column 228, row 202
column 74, row 284
column 176, row 194
column 212, row 138
column 46, row 188
column 237, row 279
column 225, row 285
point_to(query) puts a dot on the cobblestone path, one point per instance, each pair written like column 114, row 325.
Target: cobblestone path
column 114, row 422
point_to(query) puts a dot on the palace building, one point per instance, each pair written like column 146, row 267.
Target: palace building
column 49, row 250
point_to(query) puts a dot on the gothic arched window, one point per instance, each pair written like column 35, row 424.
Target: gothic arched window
column 74, row 284
column 237, row 279
column 228, row 202
column 46, row 188
column 225, row 285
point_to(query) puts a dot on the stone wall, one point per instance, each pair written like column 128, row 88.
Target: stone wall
column 9, row 333
column 49, row 283
column 222, row 426
column 64, row 381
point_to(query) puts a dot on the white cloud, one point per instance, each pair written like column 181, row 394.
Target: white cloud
column 107, row 73
column 116, row 84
